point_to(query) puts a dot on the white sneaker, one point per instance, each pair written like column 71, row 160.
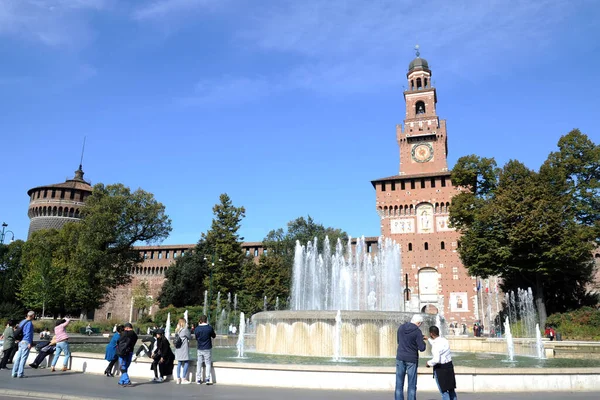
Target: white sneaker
column 178, row 381
column 185, row 382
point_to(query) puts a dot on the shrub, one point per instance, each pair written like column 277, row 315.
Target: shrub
column 582, row 324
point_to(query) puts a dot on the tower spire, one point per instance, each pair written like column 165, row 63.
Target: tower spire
column 79, row 173
column 417, row 50
column 82, row 151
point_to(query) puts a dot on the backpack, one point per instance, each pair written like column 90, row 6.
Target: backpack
column 178, row 341
column 123, row 348
column 18, row 333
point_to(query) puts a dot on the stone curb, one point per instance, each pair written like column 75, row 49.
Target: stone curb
column 45, row 395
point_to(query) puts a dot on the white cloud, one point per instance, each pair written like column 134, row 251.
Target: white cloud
column 355, row 46
column 160, row 9
column 56, row 23
column 229, row 90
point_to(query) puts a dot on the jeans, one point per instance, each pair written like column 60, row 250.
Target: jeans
column 450, row 395
column 186, row 365
column 21, row 358
column 206, row 357
column 125, row 361
column 410, row 369
column 62, row 347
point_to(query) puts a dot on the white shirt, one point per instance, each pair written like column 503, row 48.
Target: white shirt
column 440, row 350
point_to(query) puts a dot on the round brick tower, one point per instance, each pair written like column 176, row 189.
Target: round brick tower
column 52, row 206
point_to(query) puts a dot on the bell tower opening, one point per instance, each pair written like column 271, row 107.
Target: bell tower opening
column 420, row 107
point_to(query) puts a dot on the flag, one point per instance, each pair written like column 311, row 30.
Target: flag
column 478, row 285
column 487, row 285
column 496, row 285
column 185, row 316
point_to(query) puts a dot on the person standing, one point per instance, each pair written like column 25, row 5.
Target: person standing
column 111, row 351
column 182, row 353
column 204, row 334
column 410, row 342
column 62, row 344
column 125, row 346
column 9, row 346
column 24, row 346
column 441, row 361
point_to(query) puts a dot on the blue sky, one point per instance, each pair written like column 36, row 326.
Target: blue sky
column 288, row 106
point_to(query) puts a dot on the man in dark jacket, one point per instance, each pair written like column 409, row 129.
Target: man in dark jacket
column 125, row 346
column 204, row 334
column 410, row 342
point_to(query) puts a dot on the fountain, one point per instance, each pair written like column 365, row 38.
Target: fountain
column 242, row 332
column 539, row 344
column 350, row 292
column 510, row 345
column 337, row 337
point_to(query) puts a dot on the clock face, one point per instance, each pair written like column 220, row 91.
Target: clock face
column 422, row 152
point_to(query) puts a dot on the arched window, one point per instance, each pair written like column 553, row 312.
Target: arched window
column 410, row 247
column 443, row 246
column 419, row 83
column 425, row 82
column 412, row 84
column 426, row 246
column 420, row 107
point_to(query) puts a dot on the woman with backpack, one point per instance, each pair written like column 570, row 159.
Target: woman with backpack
column 182, row 351
column 9, row 346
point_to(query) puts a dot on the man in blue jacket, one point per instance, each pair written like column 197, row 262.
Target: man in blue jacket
column 204, row 335
column 24, row 345
column 410, row 342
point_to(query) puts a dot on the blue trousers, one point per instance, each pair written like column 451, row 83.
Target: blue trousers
column 20, row 358
column 125, row 362
column 185, row 365
column 410, row 369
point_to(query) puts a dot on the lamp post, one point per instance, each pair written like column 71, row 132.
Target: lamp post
column 212, row 266
column 4, row 232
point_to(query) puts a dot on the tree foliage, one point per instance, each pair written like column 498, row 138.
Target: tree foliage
column 10, row 272
column 75, row 267
column 214, row 264
column 534, row 229
column 272, row 276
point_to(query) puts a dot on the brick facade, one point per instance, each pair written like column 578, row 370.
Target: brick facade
column 413, row 207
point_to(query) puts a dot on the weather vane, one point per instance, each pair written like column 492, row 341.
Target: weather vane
column 417, row 50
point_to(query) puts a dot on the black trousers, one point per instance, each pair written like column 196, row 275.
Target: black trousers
column 111, row 365
column 40, row 357
column 7, row 356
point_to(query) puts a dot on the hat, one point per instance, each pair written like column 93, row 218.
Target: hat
column 128, row 325
column 161, row 331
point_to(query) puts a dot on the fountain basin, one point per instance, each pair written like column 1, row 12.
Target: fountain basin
column 312, row 333
column 477, row 380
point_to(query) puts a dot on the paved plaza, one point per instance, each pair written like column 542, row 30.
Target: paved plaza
column 76, row 385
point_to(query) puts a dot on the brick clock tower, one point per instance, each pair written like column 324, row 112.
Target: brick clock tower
column 413, row 207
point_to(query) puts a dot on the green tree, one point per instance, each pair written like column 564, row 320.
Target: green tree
column 10, row 271
column 214, row 265
column 273, row 275
column 141, row 299
column 43, row 277
column 184, row 283
column 85, row 260
column 523, row 225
